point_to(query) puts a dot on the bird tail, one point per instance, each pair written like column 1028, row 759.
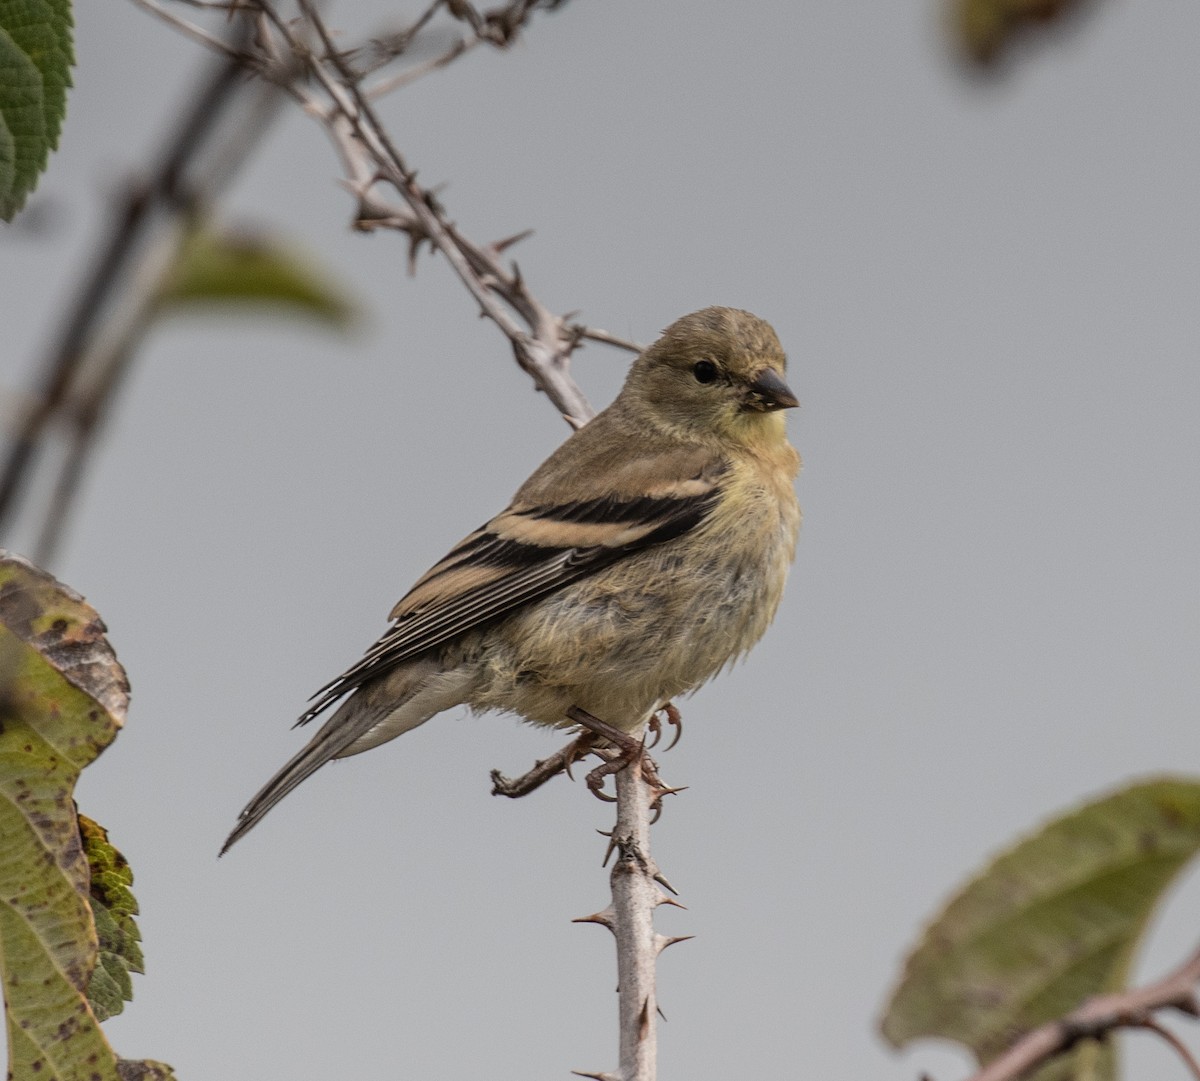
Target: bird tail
column 374, row 713
column 335, row 735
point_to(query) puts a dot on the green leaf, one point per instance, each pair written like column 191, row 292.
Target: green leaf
column 62, row 700
column 1048, row 924
column 223, row 268
column 113, row 908
column 36, row 55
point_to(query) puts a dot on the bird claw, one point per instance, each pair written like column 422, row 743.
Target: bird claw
column 654, row 726
column 627, row 749
column 595, row 777
column 675, row 720
column 595, row 783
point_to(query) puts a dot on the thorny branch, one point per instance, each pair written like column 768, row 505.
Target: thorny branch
column 333, row 95
column 298, row 57
column 1100, row 1016
column 636, row 882
column 542, row 342
column 637, row 891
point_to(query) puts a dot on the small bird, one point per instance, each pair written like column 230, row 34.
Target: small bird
column 644, row 555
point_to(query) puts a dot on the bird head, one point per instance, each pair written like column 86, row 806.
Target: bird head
column 717, row 373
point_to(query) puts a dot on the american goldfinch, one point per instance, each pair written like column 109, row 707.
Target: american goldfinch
column 643, row 556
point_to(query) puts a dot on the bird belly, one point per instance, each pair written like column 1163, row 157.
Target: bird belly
column 657, row 625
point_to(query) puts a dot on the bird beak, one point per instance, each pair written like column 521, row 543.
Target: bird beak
column 768, row 392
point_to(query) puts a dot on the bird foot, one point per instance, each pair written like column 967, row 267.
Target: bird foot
column 626, row 749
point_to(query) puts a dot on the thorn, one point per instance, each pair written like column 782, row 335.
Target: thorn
column 661, row 879
column 661, row 942
column 660, row 1013
column 612, row 844
column 658, row 791
column 503, row 245
column 414, row 249
column 662, row 899
column 604, row 917
column 644, row 1019
column 596, row 1076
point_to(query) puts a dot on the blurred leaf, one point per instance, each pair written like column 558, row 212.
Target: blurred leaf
column 113, row 908
column 985, row 27
column 35, row 71
column 62, row 700
column 1048, row 924
column 226, row 268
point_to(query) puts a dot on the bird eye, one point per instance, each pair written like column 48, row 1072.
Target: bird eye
column 705, row 371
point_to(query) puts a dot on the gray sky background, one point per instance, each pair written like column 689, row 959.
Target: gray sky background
column 988, row 297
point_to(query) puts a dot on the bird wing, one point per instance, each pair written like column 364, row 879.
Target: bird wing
column 529, row 550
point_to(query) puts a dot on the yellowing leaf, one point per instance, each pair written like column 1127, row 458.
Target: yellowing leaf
column 113, row 909
column 62, row 700
column 1048, row 924
column 144, row 1070
column 220, row 268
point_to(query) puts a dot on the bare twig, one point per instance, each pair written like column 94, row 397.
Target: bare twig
column 1175, row 1043
column 280, row 52
column 113, row 345
column 543, row 344
column 544, row 769
column 417, row 71
column 636, row 893
column 190, row 29
column 164, row 189
column 1095, row 1019
column 595, row 334
column 636, row 882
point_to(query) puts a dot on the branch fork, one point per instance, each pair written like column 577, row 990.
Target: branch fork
column 1097, row 1018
